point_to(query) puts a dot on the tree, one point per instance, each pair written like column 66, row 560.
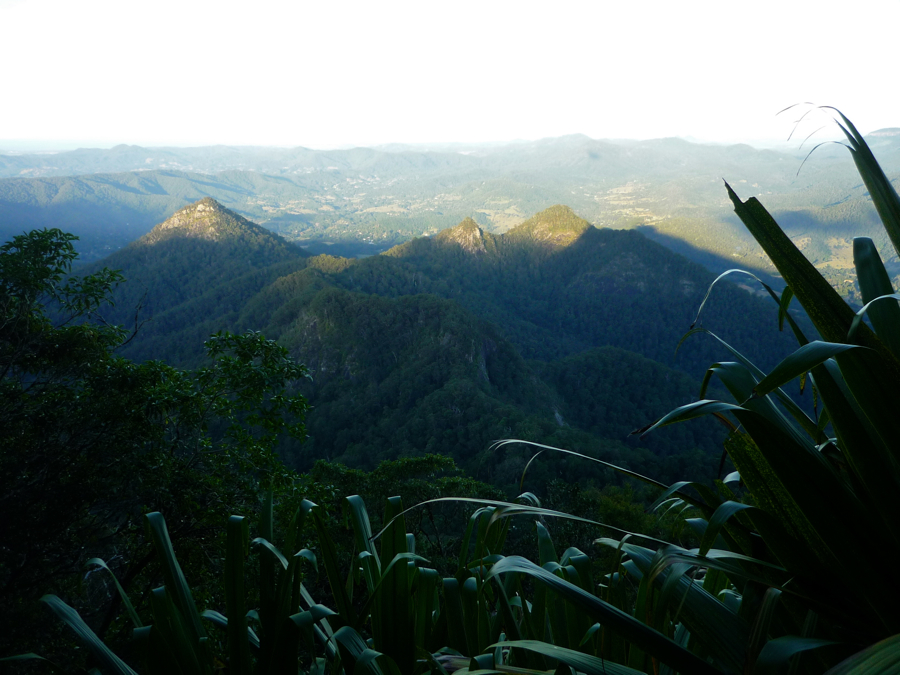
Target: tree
column 89, row 441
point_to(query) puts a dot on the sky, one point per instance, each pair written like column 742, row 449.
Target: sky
column 340, row 73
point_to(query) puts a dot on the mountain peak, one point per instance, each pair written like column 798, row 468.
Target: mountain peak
column 467, row 234
column 207, row 204
column 205, row 219
column 557, row 226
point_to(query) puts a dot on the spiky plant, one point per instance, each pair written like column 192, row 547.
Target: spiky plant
column 794, row 568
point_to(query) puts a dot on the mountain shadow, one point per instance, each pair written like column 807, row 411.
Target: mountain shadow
column 554, row 331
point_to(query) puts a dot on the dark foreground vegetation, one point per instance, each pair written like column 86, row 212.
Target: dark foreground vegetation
column 783, row 566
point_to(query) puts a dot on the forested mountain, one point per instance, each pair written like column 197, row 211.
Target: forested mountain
column 200, row 247
column 554, row 331
column 363, row 201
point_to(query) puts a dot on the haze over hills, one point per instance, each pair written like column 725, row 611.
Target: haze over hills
column 555, row 330
column 363, row 201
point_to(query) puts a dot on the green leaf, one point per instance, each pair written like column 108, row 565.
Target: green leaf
column 871, row 306
column 874, row 282
column 689, row 412
column 100, row 651
column 881, row 190
column 721, row 632
column 721, row 515
column 371, row 662
column 796, row 412
column 741, row 382
column 333, row 570
column 619, row 469
column 284, row 656
column 834, row 529
column 882, row 658
column 132, row 614
column 873, row 379
column 506, row 509
column 829, row 313
column 425, row 593
column 237, row 536
column 176, row 585
column 220, row 620
column 762, row 622
column 356, row 654
column 864, row 447
column 546, row 551
column 393, row 613
column 804, row 359
column 362, row 530
column 457, row 628
column 775, row 653
column 167, row 643
column 274, row 552
column 618, row 621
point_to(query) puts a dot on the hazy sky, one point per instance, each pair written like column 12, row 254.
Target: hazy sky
column 332, row 73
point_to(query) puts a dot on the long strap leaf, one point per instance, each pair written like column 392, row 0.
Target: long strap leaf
column 882, row 658
column 132, row 614
column 874, row 282
column 72, row 619
column 883, row 194
column 237, row 542
column 176, row 585
column 620, row 622
column 829, row 313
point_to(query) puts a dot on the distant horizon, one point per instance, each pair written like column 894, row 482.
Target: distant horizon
column 57, row 146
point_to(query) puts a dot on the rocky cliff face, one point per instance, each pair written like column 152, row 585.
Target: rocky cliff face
column 467, row 235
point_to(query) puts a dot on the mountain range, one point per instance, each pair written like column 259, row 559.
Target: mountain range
column 364, row 201
column 555, row 331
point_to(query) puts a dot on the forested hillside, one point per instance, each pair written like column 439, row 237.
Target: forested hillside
column 445, row 344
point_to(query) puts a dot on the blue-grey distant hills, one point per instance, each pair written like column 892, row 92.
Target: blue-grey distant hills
column 361, row 201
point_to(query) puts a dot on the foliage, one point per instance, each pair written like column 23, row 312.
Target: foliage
column 414, row 480
column 784, row 561
column 391, row 612
column 91, row 440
